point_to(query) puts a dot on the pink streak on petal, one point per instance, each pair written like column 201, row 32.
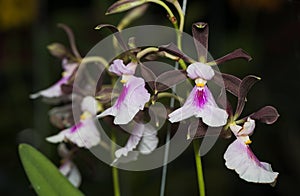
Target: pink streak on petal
column 200, row 97
column 74, row 128
column 122, row 96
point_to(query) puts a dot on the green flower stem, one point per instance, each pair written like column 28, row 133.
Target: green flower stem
column 115, row 173
column 90, row 59
column 166, row 94
column 172, row 18
column 201, row 185
column 146, row 51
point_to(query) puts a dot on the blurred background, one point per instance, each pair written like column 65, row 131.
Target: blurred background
column 269, row 30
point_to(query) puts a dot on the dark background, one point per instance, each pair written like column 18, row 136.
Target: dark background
column 269, row 30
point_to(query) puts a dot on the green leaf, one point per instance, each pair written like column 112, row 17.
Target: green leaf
column 43, row 174
column 124, row 5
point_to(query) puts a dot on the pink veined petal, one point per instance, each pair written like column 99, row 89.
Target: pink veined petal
column 132, row 99
column 84, row 134
column 119, row 68
column 186, row 111
column 200, row 70
column 55, row 89
column 210, row 113
column 52, row 91
column 201, row 104
column 89, row 104
column 240, row 158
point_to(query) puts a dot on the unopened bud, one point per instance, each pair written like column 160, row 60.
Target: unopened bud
column 58, row 50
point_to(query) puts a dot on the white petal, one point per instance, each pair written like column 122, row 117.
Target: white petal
column 200, row 70
column 86, row 134
column 58, row 137
column 52, row 91
column 128, row 104
column 119, row 68
column 70, row 170
column 65, row 168
column 213, row 116
column 149, row 140
column 186, row 111
column 248, row 127
column 89, row 104
column 132, row 142
column 74, row 176
column 240, row 158
column 131, row 156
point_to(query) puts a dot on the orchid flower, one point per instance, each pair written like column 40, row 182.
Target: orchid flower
column 200, row 103
column 55, row 90
column 240, row 157
column 143, row 138
column 68, row 167
column 132, row 97
column 85, row 132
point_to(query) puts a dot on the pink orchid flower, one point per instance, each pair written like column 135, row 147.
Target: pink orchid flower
column 55, row 90
column 132, row 97
column 239, row 156
column 143, row 140
column 85, row 133
column 200, row 103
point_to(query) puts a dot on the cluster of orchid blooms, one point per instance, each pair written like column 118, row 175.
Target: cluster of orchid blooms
column 136, row 95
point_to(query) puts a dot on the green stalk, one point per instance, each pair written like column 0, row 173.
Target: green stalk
column 115, row 173
column 201, row 186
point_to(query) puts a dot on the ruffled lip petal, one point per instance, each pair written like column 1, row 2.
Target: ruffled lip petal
column 143, row 138
column 52, row 91
column 200, row 70
column 248, row 127
column 119, row 68
column 213, row 116
column 239, row 157
column 84, row 134
column 206, row 109
column 129, row 102
column 55, row 90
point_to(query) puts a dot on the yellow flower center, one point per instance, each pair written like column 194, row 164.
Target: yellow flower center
column 85, row 115
column 200, row 82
